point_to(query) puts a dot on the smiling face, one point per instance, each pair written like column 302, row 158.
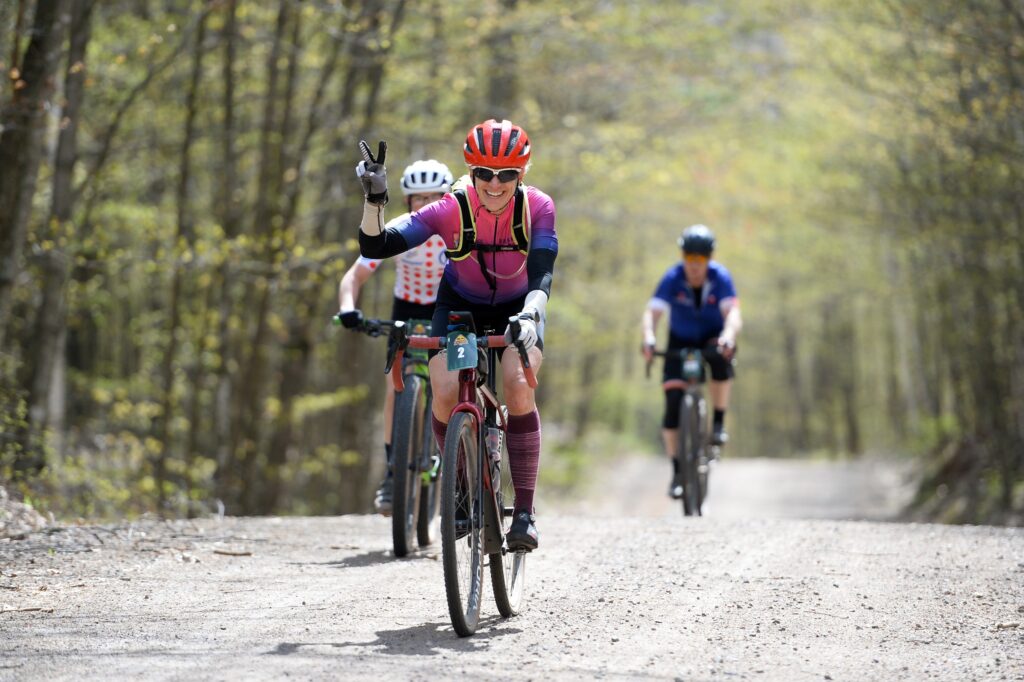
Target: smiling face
column 495, row 194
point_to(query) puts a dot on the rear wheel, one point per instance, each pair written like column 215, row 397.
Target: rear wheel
column 508, row 569
column 406, row 437
column 461, row 524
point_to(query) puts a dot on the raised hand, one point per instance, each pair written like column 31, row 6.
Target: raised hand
column 372, row 173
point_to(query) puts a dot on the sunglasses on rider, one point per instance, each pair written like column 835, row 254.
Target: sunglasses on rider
column 695, row 258
column 504, row 174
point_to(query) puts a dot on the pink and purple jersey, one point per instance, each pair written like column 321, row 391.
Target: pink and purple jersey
column 506, row 268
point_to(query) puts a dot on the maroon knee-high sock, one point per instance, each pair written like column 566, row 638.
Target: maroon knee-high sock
column 440, row 428
column 524, row 456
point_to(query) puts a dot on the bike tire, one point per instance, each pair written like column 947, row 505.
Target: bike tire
column 697, row 418
column 687, row 463
column 508, row 569
column 430, row 491
column 462, row 543
column 406, row 436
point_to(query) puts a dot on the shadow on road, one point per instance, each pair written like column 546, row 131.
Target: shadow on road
column 380, row 556
column 428, row 638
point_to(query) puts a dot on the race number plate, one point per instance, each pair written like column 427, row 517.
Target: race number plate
column 691, row 367
column 461, row 350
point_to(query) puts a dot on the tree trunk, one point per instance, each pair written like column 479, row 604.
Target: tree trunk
column 800, row 436
column 48, row 355
column 183, row 241
column 248, row 422
column 21, row 144
column 230, row 203
column 503, row 67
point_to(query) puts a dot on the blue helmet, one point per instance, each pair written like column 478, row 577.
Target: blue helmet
column 697, row 239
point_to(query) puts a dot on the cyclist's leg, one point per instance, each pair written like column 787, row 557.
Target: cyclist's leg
column 524, row 441
column 524, row 435
column 673, row 385
column 720, row 388
column 382, row 498
column 443, row 384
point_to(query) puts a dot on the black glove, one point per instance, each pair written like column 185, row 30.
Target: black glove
column 373, row 174
column 350, row 319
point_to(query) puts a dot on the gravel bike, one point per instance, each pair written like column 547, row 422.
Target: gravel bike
column 415, row 460
column 694, row 449
column 476, row 492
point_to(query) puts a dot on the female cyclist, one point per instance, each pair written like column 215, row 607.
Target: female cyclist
column 501, row 245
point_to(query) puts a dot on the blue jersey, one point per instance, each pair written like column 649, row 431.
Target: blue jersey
column 693, row 324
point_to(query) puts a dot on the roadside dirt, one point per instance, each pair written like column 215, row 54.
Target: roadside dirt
column 649, row 595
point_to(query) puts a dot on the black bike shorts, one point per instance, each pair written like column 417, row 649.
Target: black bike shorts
column 721, row 369
column 407, row 310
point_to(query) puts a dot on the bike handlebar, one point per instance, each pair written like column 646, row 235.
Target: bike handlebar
column 399, row 340
column 370, row 326
column 441, row 342
column 668, row 353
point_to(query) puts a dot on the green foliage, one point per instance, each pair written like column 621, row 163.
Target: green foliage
column 860, row 164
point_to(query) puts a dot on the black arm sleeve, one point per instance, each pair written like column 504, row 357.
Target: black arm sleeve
column 385, row 245
column 540, row 266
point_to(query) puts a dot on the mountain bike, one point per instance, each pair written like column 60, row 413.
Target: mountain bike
column 693, row 447
column 476, row 494
column 415, row 460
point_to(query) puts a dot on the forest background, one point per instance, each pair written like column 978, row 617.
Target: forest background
column 178, row 203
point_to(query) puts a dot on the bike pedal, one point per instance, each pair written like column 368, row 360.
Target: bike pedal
column 507, row 511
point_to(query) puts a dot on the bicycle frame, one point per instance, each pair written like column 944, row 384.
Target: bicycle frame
column 479, row 401
column 692, row 453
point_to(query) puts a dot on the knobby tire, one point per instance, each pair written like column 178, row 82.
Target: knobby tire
column 430, row 492
column 462, row 552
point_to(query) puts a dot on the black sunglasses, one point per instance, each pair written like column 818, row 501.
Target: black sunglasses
column 504, row 175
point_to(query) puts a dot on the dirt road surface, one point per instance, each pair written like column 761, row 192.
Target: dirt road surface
column 623, row 588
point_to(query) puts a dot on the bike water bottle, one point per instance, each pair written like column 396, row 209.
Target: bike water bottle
column 494, row 443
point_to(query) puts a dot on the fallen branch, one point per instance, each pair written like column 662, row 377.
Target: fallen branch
column 228, row 552
column 46, row 609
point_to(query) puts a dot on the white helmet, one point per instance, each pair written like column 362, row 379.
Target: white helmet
column 426, row 177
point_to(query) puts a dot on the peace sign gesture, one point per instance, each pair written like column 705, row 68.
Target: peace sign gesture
column 372, row 173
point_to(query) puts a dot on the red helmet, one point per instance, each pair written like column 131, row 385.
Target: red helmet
column 494, row 144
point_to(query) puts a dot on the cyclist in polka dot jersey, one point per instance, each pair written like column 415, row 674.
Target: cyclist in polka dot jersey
column 418, row 273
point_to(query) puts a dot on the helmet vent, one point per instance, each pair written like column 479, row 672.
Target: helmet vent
column 495, row 141
column 513, row 138
column 480, row 139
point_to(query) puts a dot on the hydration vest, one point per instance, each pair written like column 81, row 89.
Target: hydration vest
column 467, row 228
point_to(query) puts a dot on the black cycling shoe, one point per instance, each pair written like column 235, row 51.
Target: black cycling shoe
column 718, row 436
column 675, row 488
column 382, row 500
column 522, row 536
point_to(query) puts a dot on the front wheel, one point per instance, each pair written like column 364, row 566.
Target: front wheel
column 689, row 453
column 406, row 436
column 430, row 489
column 462, row 524
column 508, row 569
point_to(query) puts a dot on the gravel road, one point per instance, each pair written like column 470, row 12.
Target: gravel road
column 650, row 595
